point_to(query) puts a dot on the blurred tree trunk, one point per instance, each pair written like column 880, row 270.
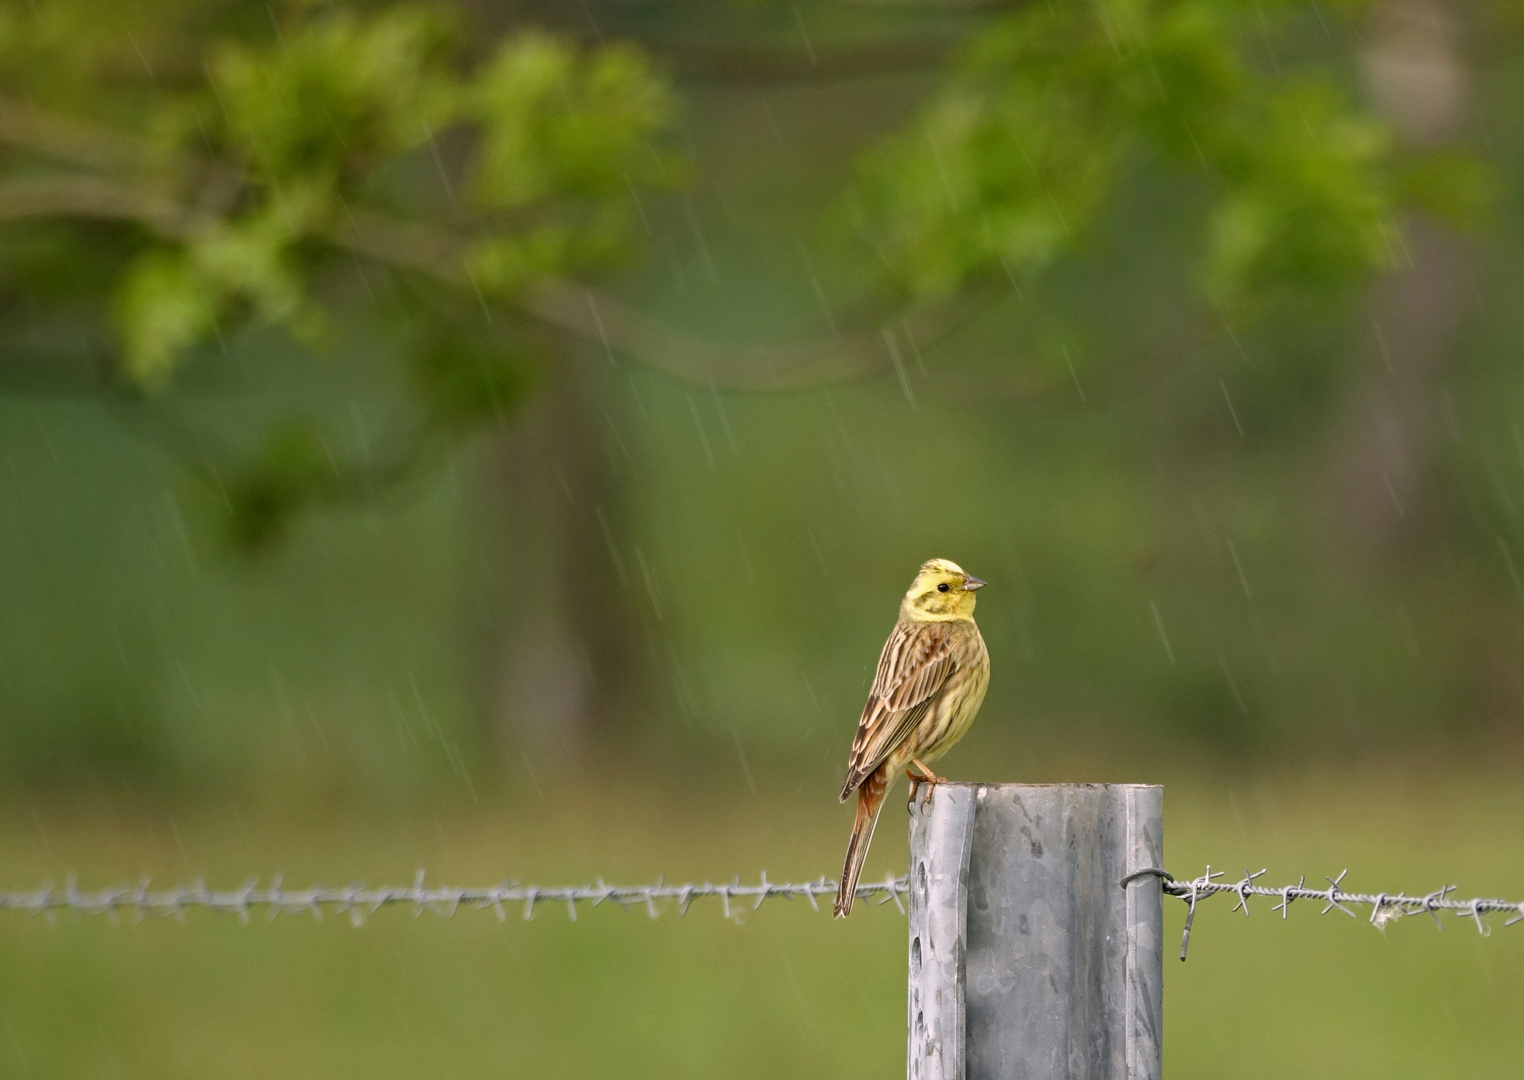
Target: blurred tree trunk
column 1385, row 442
column 563, row 671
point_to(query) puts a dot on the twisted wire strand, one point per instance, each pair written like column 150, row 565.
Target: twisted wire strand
column 359, row 901
column 1385, row 907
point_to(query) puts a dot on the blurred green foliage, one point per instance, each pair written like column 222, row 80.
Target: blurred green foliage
column 274, row 164
column 309, row 259
column 275, row 155
column 1013, row 164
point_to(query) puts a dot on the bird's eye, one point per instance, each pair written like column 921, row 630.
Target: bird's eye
column 942, row 587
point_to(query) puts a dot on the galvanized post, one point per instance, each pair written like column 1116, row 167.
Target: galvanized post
column 1028, row 958
column 941, row 833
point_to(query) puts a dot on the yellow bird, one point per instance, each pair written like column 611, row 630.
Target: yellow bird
column 931, row 680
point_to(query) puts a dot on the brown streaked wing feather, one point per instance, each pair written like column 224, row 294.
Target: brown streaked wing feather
column 916, row 661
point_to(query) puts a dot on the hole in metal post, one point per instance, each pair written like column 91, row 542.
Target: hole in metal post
column 921, row 873
column 915, row 957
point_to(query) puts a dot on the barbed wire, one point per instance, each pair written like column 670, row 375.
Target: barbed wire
column 359, row 901
column 1385, row 907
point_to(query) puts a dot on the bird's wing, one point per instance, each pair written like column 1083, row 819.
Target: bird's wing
column 915, row 663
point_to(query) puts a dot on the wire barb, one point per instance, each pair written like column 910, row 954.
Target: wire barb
column 1242, row 889
column 1333, row 894
column 1194, row 889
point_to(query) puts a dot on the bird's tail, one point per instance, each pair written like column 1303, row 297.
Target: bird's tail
column 870, row 800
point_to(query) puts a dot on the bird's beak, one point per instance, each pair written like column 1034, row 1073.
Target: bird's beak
column 973, row 584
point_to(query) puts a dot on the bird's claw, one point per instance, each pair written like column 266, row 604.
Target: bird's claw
column 927, row 777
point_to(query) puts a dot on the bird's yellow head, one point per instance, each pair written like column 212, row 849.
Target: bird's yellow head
column 941, row 592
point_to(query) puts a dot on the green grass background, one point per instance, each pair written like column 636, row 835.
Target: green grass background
column 779, row 991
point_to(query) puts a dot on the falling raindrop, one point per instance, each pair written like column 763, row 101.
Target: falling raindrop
column 400, row 721
column 899, row 367
column 820, row 296
column 819, row 558
column 640, row 403
column 534, row 781
column 439, row 165
column 809, row 689
column 1163, row 636
column 311, row 718
column 283, row 704
column 1231, row 411
column 618, row 439
column 645, row 570
column 1386, row 356
column 1006, row 266
column 1513, row 572
column 1222, row 662
column 640, row 207
column 481, row 297
column 46, row 439
column 719, row 407
column 1239, row 566
column 804, row 34
column 1074, row 374
column 613, row 548
column 700, row 239
column 1391, row 489
column 751, row 783
column 772, row 119
column 702, row 434
column 686, row 702
column 936, row 156
column 1236, row 343
column 603, row 334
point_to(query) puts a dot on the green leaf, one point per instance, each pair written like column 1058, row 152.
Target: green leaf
column 162, row 308
column 558, row 124
column 340, row 89
column 290, row 471
column 466, row 381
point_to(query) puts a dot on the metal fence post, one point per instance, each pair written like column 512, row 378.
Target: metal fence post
column 1028, row 959
column 941, row 834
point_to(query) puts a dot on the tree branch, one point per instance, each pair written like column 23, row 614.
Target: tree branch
column 596, row 316
column 581, row 311
column 86, row 196
column 27, row 127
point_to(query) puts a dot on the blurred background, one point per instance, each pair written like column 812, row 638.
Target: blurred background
column 495, row 438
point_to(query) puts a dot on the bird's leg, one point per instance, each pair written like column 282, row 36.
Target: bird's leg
column 927, row 777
